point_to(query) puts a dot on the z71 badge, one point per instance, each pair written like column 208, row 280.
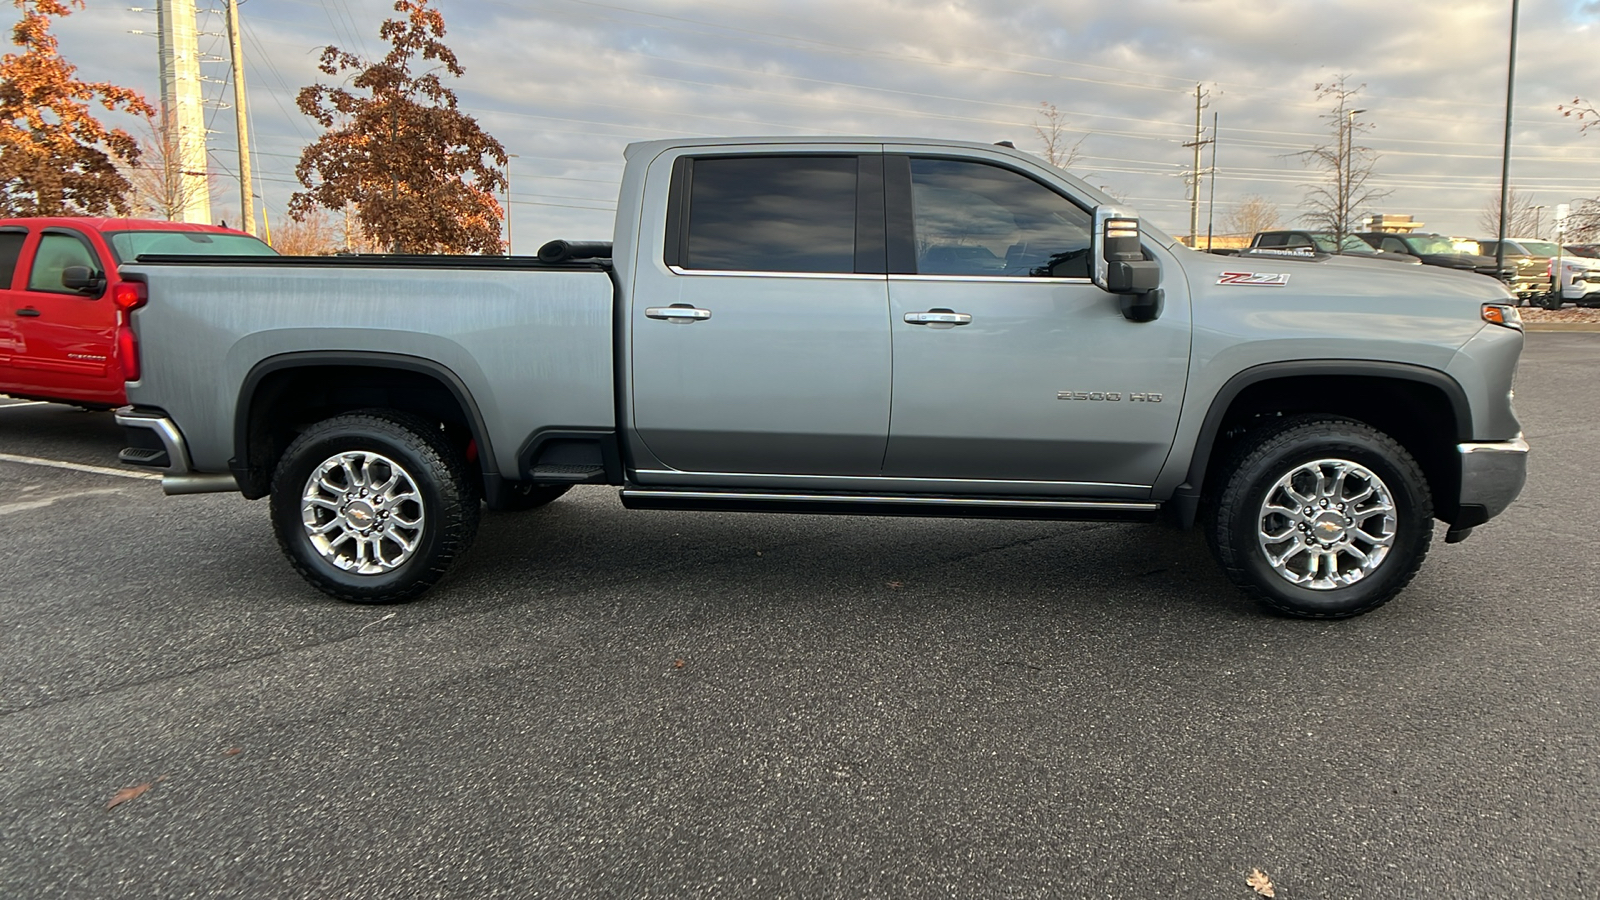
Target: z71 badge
column 1257, row 279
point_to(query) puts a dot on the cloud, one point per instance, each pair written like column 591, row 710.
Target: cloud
column 566, row 84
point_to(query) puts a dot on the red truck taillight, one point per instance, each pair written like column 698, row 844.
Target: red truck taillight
column 128, row 296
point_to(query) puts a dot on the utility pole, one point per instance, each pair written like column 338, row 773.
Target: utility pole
column 1194, row 179
column 247, row 205
column 1211, row 204
column 509, row 158
column 181, row 112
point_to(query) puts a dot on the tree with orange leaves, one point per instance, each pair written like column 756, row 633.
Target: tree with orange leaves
column 421, row 174
column 56, row 158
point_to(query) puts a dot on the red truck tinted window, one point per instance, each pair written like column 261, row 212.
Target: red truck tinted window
column 10, row 252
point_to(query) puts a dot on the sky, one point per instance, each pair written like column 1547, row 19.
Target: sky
column 567, row 84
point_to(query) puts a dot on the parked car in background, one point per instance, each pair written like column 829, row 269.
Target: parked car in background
column 1438, row 250
column 64, row 332
column 1532, row 260
column 1576, row 275
column 1312, row 242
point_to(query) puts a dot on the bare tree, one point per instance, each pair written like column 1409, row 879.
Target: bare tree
column 1050, row 126
column 160, row 189
column 1583, row 223
column 1347, row 166
column 310, row 235
column 1522, row 220
column 1253, row 213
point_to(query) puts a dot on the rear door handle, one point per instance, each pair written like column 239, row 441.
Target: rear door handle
column 682, row 313
column 938, row 318
column 30, row 312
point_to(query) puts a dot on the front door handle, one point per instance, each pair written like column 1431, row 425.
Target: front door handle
column 681, row 313
column 938, row 318
column 30, row 312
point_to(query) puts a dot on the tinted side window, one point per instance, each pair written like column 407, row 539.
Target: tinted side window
column 773, row 214
column 57, row 252
column 10, row 250
column 1272, row 240
column 1394, row 245
column 971, row 218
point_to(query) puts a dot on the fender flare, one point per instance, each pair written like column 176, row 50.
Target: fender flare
column 452, row 382
column 1187, row 496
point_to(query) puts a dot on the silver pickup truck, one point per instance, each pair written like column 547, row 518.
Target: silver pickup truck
column 862, row 326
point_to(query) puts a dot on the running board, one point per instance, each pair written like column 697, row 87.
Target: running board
column 893, row 505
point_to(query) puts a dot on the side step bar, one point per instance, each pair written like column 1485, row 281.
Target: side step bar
column 893, row 505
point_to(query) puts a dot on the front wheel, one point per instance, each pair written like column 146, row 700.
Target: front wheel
column 373, row 506
column 1322, row 518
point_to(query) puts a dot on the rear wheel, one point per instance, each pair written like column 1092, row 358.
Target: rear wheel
column 373, row 506
column 1322, row 517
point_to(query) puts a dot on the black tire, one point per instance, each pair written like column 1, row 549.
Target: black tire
column 439, row 497
column 522, row 496
column 1240, row 517
column 1551, row 300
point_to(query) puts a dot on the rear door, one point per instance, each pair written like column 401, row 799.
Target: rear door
column 12, row 240
column 1010, row 366
column 760, row 323
column 66, row 337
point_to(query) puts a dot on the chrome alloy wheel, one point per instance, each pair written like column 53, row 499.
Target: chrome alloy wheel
column 1327, row 524
column 362, row 512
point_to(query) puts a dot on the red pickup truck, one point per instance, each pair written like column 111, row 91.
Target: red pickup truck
column 64, row 310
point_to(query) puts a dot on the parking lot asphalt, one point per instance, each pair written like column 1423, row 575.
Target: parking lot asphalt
column 603, row 703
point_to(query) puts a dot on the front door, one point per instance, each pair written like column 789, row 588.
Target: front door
column 1009, row 365
column 760, row 334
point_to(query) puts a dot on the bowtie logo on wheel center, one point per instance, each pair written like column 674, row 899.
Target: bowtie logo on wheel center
column 1328, row 527
column 360, row 514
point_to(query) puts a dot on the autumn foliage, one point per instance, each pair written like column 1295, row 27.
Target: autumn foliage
column 55, row 157
column 421, row 174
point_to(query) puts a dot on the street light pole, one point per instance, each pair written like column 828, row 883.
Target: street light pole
column 1505, row 156
column 509, row 158
column 1349, row 169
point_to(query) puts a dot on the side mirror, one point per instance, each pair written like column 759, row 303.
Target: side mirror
column 1118, row 265
column 82, row 279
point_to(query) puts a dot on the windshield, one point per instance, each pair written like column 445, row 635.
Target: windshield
column 1350, row 244
column 130, row 245
column 1428, row 244
column 1541, row 248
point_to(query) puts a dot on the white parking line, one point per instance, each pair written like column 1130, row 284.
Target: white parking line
column 7, row 509
column 12, row 403
column 77, row 467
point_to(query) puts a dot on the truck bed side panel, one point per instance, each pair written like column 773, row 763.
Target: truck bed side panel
column 532, row 347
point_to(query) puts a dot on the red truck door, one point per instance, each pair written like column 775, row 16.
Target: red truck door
column 67, row 337
column 11, row 241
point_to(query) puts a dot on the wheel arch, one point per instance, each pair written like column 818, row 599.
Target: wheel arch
column 1424, row 409
column 283, row 392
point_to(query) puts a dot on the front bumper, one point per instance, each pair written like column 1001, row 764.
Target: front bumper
column 1492, row 475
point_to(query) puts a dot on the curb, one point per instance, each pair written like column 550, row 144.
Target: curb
column 1590, row 327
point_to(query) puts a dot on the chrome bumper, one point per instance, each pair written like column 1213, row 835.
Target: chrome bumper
column 177, row 477
column 1492, row 475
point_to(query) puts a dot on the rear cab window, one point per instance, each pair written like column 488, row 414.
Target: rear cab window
column 770, row 213
column 128, row 246
column 11, row 241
